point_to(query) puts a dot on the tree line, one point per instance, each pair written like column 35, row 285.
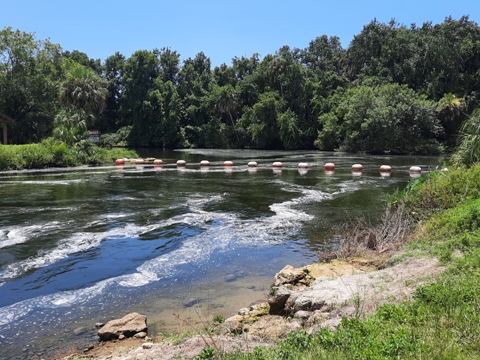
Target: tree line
column 395, row 89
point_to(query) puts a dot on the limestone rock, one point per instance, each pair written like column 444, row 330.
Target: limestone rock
column 277, row 301
column 290, row 275
column 272, row 327
column 302, row 315
column 140, row 335
column 127, row 326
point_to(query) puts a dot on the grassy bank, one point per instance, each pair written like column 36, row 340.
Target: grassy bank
column 50, row 154
column 443, row 322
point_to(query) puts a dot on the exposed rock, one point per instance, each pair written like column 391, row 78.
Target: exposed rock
column 277, row 301
column 316, row 317
column 147, row 345
column 127, row 326
column 99, row 325
column 308, row 302
column 302, row 315
column 290, row 275
column 140, row 335
column 272, row 327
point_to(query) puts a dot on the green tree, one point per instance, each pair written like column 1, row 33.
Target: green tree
column 468, row 150
column 140, row 73
column 261, row 121
column 383, row 119
column 30, row 71
column 113, row 118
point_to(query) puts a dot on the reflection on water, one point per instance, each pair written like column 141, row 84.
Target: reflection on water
column 83, row 245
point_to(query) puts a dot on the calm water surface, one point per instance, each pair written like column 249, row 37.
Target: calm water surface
column 83, row 245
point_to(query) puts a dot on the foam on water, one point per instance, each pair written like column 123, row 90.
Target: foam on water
column 13, row 235
column 228, row 233
column 44, row 182
column 77, row 242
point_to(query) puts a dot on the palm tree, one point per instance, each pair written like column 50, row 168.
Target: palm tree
column 83, row 89
column 227, row 101
column 83, row 95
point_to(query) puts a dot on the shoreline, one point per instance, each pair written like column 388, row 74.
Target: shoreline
column 319, row 295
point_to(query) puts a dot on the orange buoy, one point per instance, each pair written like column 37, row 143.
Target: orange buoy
column 329, row 172
column 385, row 168
column 416, row 169
column 357, row 167
column 303, row 165
column 252, row 164
column 139, row 161
column 227, row 163
column 204, row 163
column 277, row 164
column 157, row 162
column 181, row 163
column 329, row 166
column 120, row 161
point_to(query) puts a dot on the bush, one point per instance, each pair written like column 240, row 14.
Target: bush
column 52, row 154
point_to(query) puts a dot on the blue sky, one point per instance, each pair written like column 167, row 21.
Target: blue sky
column 221, row 29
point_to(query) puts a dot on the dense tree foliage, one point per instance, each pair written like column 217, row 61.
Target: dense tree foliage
column 395, row 89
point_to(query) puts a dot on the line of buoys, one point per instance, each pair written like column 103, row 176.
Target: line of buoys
column 385, row 170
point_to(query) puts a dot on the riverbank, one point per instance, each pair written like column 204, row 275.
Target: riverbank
column 50, row 154
column 319, row 295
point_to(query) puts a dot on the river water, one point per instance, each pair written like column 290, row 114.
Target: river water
column 181, row 245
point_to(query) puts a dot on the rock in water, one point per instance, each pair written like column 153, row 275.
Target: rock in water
column 127, row 326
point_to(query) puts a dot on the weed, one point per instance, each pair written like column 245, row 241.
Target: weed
column 218, row 319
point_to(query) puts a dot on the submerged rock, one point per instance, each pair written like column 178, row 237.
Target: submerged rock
column 127, row 326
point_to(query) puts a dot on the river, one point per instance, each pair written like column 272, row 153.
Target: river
column 181, row 245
